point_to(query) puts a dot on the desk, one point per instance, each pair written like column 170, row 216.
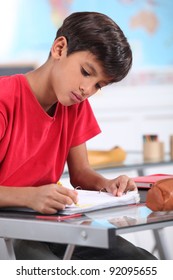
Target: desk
column 97, row 229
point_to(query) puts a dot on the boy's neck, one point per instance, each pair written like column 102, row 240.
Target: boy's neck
column 39, row 84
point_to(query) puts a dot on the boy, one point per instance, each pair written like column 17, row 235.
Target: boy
column 45, row 120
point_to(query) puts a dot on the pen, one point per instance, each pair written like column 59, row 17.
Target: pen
column 59, row 218
column 60, row 184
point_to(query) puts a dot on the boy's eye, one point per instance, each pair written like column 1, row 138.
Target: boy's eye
column 98, row 86
column 84, row 72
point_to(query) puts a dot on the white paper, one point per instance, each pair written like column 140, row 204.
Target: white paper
column 94, row 200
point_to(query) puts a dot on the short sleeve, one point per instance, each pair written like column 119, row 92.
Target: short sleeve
column 2, row 125
column 86, row 124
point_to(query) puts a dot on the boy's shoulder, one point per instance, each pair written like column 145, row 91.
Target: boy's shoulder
column 12, row 88
column 11, row 78
column 10, row 84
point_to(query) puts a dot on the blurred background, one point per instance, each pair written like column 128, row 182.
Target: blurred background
column 140, row 104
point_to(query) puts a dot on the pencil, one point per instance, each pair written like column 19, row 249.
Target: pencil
column 59, row 218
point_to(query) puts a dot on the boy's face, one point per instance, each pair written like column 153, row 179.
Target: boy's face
column 76, row 77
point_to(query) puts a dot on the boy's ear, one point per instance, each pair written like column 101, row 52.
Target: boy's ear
column 59, row 47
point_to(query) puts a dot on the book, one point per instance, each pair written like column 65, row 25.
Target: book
column 148, row 180
column 95, row 200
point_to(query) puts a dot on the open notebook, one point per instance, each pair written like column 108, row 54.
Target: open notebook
column 90, row 201
column 94, row 200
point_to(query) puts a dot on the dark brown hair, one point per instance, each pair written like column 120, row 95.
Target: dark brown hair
column 99, row 34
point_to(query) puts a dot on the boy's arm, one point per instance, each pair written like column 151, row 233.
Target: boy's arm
column 44, row 199
column 81, row 174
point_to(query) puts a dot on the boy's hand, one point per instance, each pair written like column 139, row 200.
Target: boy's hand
column 120, row 185
column 48, row 199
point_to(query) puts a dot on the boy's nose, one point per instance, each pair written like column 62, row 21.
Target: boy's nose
column 87, row 90
column 82, row 91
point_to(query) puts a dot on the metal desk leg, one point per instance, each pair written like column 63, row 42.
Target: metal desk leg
column 6, row 249
column 69, row 252
column 161, row 244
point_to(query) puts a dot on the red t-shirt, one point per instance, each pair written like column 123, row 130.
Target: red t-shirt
column 33, row 145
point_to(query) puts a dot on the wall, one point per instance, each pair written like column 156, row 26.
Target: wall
column 125, row 113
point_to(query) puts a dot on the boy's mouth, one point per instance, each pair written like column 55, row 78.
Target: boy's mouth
column 76, row 97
